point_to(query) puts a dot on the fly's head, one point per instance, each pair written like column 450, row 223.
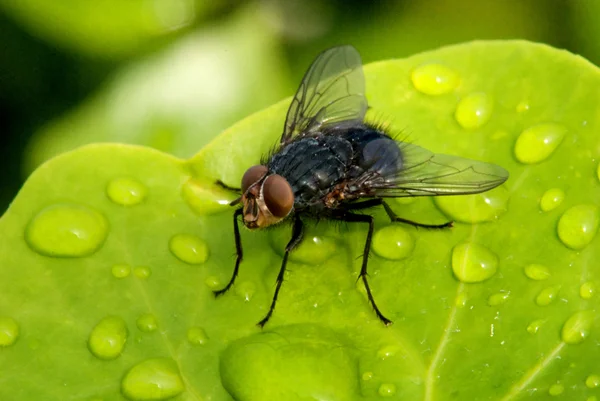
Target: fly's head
column 266, row 198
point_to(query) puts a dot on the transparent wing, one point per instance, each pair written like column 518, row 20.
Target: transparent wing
column 332, row 91
column 424, row 173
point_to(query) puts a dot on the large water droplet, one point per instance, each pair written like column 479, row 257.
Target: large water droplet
column 537, row 272
column 152, row 379
column 474, row 110
column 587, row 289
column 556, row 389
column 547, row 296
column 473, row 263
column 9, row 331
column 147, row 323
column 537, row 143
column 577, row 327
column 535, row 326
column 108, row 338
column 245, row 290
column 67, row 230
column 434, row 79
column 592, row 381
column 551, row 199
column 578, row 225
column 121, row 270
column 142, row 272
column 189, row 248
column 487, row 206
column 498, row 298
column 313, row 250
column 126, row 192
column 393, row 242
column 197, row 336
column 387, row 390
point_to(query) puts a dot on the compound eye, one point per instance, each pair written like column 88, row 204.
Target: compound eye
column 252, row 175
column 278, row 195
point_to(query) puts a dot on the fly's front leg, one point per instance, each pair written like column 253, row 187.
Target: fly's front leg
column 397, row 219
column 297, row 233
column 238, row 250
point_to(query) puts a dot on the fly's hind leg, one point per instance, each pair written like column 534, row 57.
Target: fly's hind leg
column 238, row 250
column 397, row 219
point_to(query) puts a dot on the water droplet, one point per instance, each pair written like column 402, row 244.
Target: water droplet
column 577, row 327
column 108, row 338
column 537, row 143
column 152, row 379
column 212, row 282
column 367, row 376
column 592, row 381
column 387, row 351
column 578, row 225
column 587, row 289
column 313, row 250
column 478, row 208
column 434, row 79
column 121, row 270
column 67, row 230
column 387, row 390
column 556, row 389
column 393, row 242
column 547, row 296
column 522, row 107
column 147, row 323
column 245, row 290
column 473, row 263
column 189, row 248
column 474, row 110
column 461, row 300
column 551, row 199
column 9, row 331
column 126, row 192
column 498, row 298
column 537, row 272
column 535, row 326
column 142, row 272
column 197, row 336
column 205, row 198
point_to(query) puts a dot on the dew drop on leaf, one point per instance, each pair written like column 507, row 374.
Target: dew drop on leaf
column 152, row 379
column 245, row 290
column 121, row 270
column 537, row 143
column 367, row 376
column 537, row 272
column 556, row 389
column 535, row 326
column 473, row 263
column 522, row 107
column 551, row 199
column 498, row 298
column 578, row 225
column 587, row 289
column 387, row 390
column 9, row 331
column 197, row 336
column 474, row 110
column 461, row 300
column 478, row 208
column 577, row 327
column 126, row 192
column 313, row 250
column 212, row 282
column 547, row 296
column 387, row 351
column 147, row 323
column 434, row 79
column 142, row 272
column 67, row 230
column 393, row 242
column 107, row 339
column 189, row 248
column 592, row 381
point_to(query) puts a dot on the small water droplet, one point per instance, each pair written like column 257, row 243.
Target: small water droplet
column 522, row 107
column 498, row 298
column 473, row 263
column 197, row 336
column 474, row 110
column 142, row 272
column 434, row 79
column 108, row 338
column 537, row 143
column 387, row 390
column 67, row 230
column 547, row 296
column 478, row 208
column 556, row 389
column 393, row 242
column 147, row 323
column 313, row 250
column 578, row 225
column 153, row 379
column 189, row 248
column 121, row 270
column 367, row 376
column 537, row 272
column 461, row 300
column 592, row 381
column 126, row 192
column 387, row 351
column 245, row 290
column 205, row 198
column 577, row 327
column 587, row 289
column 9, row 331
column 551, row 199
column 212, row 282
column 535, row 326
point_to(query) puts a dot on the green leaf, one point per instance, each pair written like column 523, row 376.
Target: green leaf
column 500, row 307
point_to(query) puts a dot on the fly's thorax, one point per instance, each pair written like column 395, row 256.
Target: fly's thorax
column 267, row 198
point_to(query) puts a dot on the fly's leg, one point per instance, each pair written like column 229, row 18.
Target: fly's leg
column 361, row 218
column 227, row 187
column 397, row 219
column 238, row 250
column 297, row 232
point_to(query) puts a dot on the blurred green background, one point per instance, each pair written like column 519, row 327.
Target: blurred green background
column 172, row 74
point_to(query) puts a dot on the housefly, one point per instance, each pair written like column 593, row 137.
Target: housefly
column 330, row 163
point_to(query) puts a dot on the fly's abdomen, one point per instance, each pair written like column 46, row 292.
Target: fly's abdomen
column 374, row 151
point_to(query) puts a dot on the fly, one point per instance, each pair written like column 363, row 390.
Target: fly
column 330, row 163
